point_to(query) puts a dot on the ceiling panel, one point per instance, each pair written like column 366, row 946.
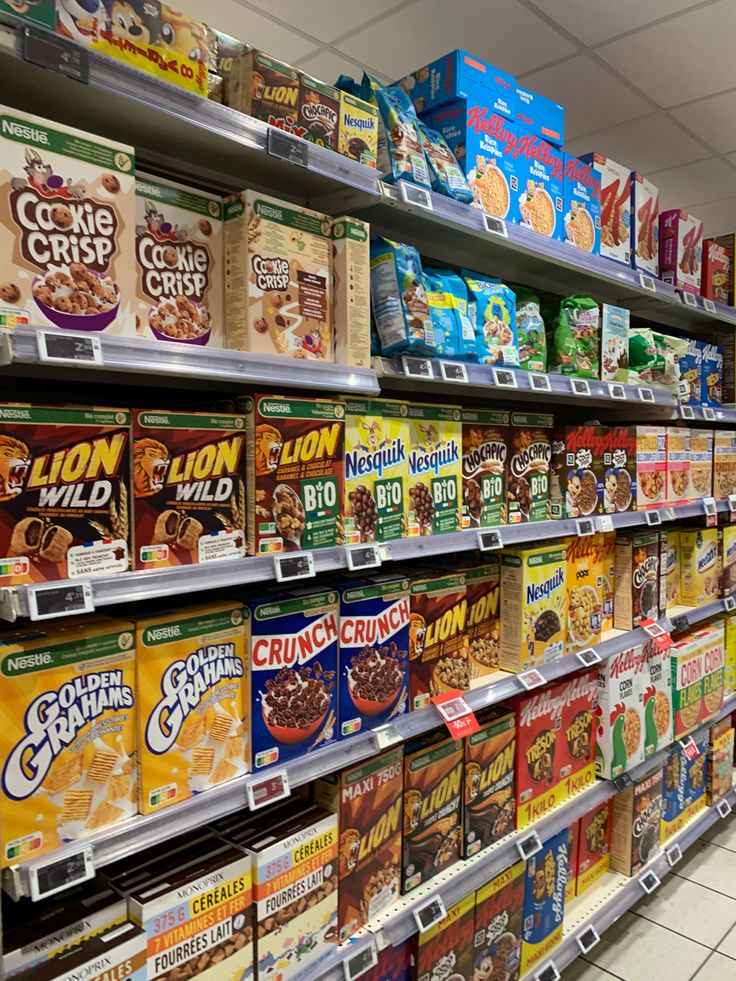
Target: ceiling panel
column 247, row 25
column 645, row 144
column 705, row 180
column 596, row 20
column 328, row 19
column 717, row 216
column 328, row 65
column 713, row 120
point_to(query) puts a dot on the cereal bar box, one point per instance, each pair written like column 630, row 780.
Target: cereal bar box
column 295, row 473
column 485, row 452
column 498, row 923
column 577, row 470
column 446, row 949
column 541, row 174
column 438, row 646
column 64, row 493
column 81, row 680
column 701, row 463
column 651, row 465
column 193, row 678
column 67, row 228
column 435, row 469
column 680, row 249
column 724, row 462
column 622, row 681
column 582, row 205
column 615, row 206
column 179, row 263
column 699, row 580
column 119, row 953
column 528, row 477
column 619, row 473
column 489, row 803
column 482, row 628
column 635, row 832
column 678, row 464
column 716, row 282
column 657, row 702
column 584, row 592
column 687, row 670
column 637, row 579
column 594, row 846
column 544, row 901
column 644, row 224
column 189, row 488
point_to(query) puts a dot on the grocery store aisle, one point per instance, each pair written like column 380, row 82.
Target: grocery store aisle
column 686, row 931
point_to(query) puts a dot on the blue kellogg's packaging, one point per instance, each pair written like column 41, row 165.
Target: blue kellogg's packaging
column 492, row 308
column 399, row 299
column 293, row 674
column 541, row 173
column 691, row 373
column 712, row 374
column 374, row 659
column 455, row 75
column 582, row 205
column 683, row 788
column 444, row 171
column 544, row 901
column 400, row 151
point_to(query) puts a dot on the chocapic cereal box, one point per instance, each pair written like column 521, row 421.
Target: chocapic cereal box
column 376, row 470
column 622, row 680
column 528, row 478
column 638, row 572
column 498, row 924
column 489, row 802
column 637, row 818
column 594, row 846
column 445, row 950
column 179, row 263
column 435, row 469
column 482, row 626
column 189, row 488
column 64, row 498
column 438, row 647
column 295, row 473
column 544, row 900
column 192, row 670
column 485, row 448
column 67, row 228
column 68, row 735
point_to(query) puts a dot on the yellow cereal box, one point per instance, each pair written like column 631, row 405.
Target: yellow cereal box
column 435, row 469
column 729, row 677
column 724, row 463
column 672, row 568
column 607, row 574
column 192, row 672
column 584, row 592
column 533, row 606
column 358, row 133
column 698, row 565
column 68, row 735
column 727, row 543
column 713, row 650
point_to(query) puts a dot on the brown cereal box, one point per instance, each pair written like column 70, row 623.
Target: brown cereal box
column 278, row 278
column 687, row 670
column 438, row 657
column 658, row 723
column 577, row 470
column 699, row 579
column 358, row 137
column 482, row 626
column 701, row 463
column 727, row 545
column 672, row 569
column 319, row 111
column 607, row 574
column 446, row 949
column 485, row 451
column 663, row 559
column 498, row 923
column 651, row 465
column 351, row 291
column 619, row 469
column 530, row 455
column 637, row 816
column 594, row 846
column 716, row 282
column 719, row 774
column 637, row 579
column 584, row 592
column 724, row 462
column 435, row 469
column 619, row 709
column 678, row 464
column 489, row 800
column 119, row 953
column 267, row 89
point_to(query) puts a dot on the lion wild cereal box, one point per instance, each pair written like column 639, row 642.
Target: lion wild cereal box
column 594, row 846
column 376, row 470
column 68, row 735
column 64, row 499
column 66, row 228
column 295, row 473
column 119, row 953
column 432, row 802
column 446, row 949
column 657, row 700
column 482, row 626
column 622, row 680
column 189, row 488
column 367, row 799
column 584, row 592
column 698, row 565
column 179, row 263
column 435, row 469
column 192, row 669
column 438, row 646
column 637, row 579
column 635, row 830
column 544, row 900
column 489, row 801
column 498, row 924
column 485, row 449
column 528, row 477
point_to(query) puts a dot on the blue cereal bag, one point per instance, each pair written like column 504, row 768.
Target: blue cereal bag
column 492, row 309
column 691, row 372
column 444, row 170
column 399, row 299
column 400, row 152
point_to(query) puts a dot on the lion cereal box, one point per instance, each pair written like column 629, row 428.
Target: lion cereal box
column 446, row 949
column 79, row 682
column 622, row 679
column 319, row 111
column 278, row 278
column 376, row 470
column 714, row 657
column 367, row 799
column 657, row 700
column 489, row 803
column 192, row 669
column 619, row 473
column 295, row 473
column 680, row 249
column 701, row 463
column 498, row 923
column 482, row 628
column 189, row 488
column 435, row 469
column 724, row 462
column 64, row 500
column 374, row 658
column 678, row 464
column 594, row 846
column 351, row 286
column 716, row 282
column 635, row 830
column 651, row 465
column 577, row 470
column 584, row 593
column 645, row 224
column 544, row 900
column 530, row 455
column 119, row 953
column 179, row 263
column 485, row 448
column 698, row 565
column 432, row 803
column 358, row 134
column 687, row 669
column 615, row 206
column 67, row 235
column 267, row 89
column 438, row 646
column 533, row 606
column 637, row 579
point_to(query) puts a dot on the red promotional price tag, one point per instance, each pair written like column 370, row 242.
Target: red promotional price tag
column 456, row 713
column 689, row 748
column 660, row 636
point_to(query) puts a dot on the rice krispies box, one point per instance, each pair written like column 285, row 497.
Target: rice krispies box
column 619, row 713
column 680, row 249
column 64, row 499
column 193, row 678
column 485, row 449
column 644, row 224
column 189, row 488
column 540, row 171
column 435, row 469
column 78, row 682
column 594, row 846
column 544, row 900
column 438, row 649
column 446, row 949
column 67, row 225
column 489, row 781
column 615, row 206
column 582, row 204
column 498, row 924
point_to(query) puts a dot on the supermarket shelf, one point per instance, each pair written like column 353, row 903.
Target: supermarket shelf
column 723, row 413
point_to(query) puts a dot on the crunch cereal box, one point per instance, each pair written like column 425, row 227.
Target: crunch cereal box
column 619, row 709
column 490, row 806
column 485, row 448
column 435, row 469
column 544, row 900
column 446, row 949
column 498, row 923
column 594, row 846
column 530, row 456
column 438, row 646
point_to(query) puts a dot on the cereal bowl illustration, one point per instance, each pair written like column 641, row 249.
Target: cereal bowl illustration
column 537, row 209
column 375, row 678
column 77, row 298
column 584, row 614
column 296, row 703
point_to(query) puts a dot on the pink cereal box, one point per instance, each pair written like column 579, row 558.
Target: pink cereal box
column 680, row 249
column 651, row 465
column 615, row 206
column 644, row 224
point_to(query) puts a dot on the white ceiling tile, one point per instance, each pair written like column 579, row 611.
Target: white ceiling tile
column 416, row 35
column 595, row 20
column 592, row 97
column 713, row 120
column 328, row 19
column 686, row 57
column 648, row 143
column 717, row 216
column 328, row 65
column 681, row 187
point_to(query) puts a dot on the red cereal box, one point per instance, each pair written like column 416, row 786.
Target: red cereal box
column 718, row 258
column 446, row 949
column 594, row 846
column 573, row 838
column 577, row 766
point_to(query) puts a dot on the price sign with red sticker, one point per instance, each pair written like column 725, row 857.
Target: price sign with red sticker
column 658, row 634
column 456, row 713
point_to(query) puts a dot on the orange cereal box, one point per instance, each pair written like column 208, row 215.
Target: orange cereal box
column 68, row 735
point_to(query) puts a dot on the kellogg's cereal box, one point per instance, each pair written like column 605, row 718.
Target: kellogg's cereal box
column 438, row 646
column 719, row 765
column 683, row 788
column 577, row 470
column 637, row 579
column 678, row 464
column 714, row 658
column 691, row 371
column 724, row 463
column 622, row 680
column 651, row 465
column 657, row 699
column 637, row 815
column 544, row 900
column 79, row 682
column 698, row 565
column 582, row 205
column 711, row 379
column 619, row 474
column 189, row 488
column 540, row 114
column 716, row 282
column 687, row 669
column 541, row 174
column 358, row 133
column 577, row 765
column 482, row 626
column 446, row 949
column 680, row 249
column 489, row 811
column 701, row 463
column 435, row 469
column 615, row 206
column 457, row 75
column 498, row 923
column 594, row 846
column 528, row 478
column 584, row 592
column 485, row 451
column 572, row 860
column 645, row 224
column 67, row 233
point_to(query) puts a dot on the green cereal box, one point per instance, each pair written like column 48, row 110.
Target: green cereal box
column 435, row 469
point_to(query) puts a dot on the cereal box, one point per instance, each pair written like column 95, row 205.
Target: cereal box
column 727, row 544
column 644, row 224
column 724, row 462
column 267, row 89
column 119, row 953
column 594, row 846
column 572, row 860
column 435, row 469
column 637, row 815
column 729, row 671
column 541, row 174
column 192, row 674
column 294, row 642
column 433, row 828
column 459, row 74
column 67, row 234
column 678, row 464
column 577, row 763
column 701, row 463
column 712, row 374
column 42, row 13
column 295, row 473
column 698, row 565
column 714, row 657
column 680, row 249
column 672, row 569
column 79, row 680
column 622, row 680
column 278, row 278
column 374, row 645
column 577, row 470
column 189, row 488
column 528, row 478
column 584, row 593
column 376, row 470
column 368, row 801
column 533, row 606
column 719, row 766
column 446, row 949
column 541, row 115
column 691, row 370
column 607, row 573
column 637, row 579
column 658, row 731
column 489, row 811
column 614, row 343
column 498, row 923
column 482, row 626
column 687, row 669
column 615, row 206
column 544, row 901
column 485, row 451
column 651, row 465
column 683, row 788
column 438, row 646
column 351, row 307
column 319, row 111
column 716, row 282
column 582, row 205
column 394, row 963
column 619, row 474
column 64, row 478
column 358, row 132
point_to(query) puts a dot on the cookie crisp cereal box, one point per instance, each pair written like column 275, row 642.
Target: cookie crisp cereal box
column 615, row 207
column 619, row 709
column 351, row 291
column 435, row 469
column 544, row 900
column 68, row 225
column 68, row 736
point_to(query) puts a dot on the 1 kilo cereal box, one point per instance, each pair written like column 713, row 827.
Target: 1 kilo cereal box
column 438, row 646
column 657, row 700
column 64, row 497
column 295, row 473
column 577, row 765
column 67, row 226
column 189, row 488
column 179, row 263
column 482, row 625
column 68, row 736
column 540, row 170
column 594, row 846
column 485, row 449
column 445, row 950
column 498, row 924
column 584, row 592
column 489, row 801
column 698, row 565
column 192, row 670
column 544, row 900
column 435, row 469
column 528, row 476
column 622, row 680
column 582, row 205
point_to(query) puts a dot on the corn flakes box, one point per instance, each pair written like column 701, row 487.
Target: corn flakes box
column 594, row 846
column 698, row 565
column 584, row 594
column 714, row 659
column 435, row 469
column 687, row 668
column 651, row 465
column 622, row 680
column 483, row 628
column 81, row 680
column 724, row 462
column 448, row 945
column 701, row 463
column 672, row 569
column 193, row 677
column 637, row 817
column 485, row 450
column 498, row 923
column 438, row 646
column 572, row 860
column 544, row 901
column 657, row 699
column 489, row 801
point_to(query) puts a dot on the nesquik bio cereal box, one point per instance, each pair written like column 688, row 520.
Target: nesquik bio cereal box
column 533, row 606
column 435, row 469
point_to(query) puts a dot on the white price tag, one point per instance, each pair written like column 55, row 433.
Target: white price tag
column 653, row 517
column 532, row 678
column 669, row 514
column 649, row 881
column 709, row 305
column 687, row 412
column 709, row 506
column 732, row 502
column 646, row 395
column 505, row 378
column 416, row 367
column 386, row 735
column 729, row 603
column 616, row 390
column 58, row 346
column 496, row 226
column 59, row 599
column 429, row 913
column 418, row 196
column 724, row 808
column 588, row 657
column 363, row 557
column 605, row 523
column 584, row 526
column 489, row 539
column 539, row 383
column 360, row 963
column 297, row 565
column 529, row 845
column 689, row 299
column 453, row 708
column 709, row 414
column 673, row 854
column 548, row 973
column 267, row 789
column 587, row 939
column 56, row 874
column 454, row 371
column 647, row 283
column 653, row 629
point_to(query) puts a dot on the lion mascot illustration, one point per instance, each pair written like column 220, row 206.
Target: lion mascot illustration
column 417, row 630
column 15, row 462
column 268, row 443
column 151, row 461
column 349, row 847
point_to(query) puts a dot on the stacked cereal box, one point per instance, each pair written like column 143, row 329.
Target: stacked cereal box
column 637, row 817
column 582, row 205
column 698, row 565
column 577, row 470
column 712, row 376
column 619, row 709
column 619, row 475
column 489, row 811
column 724, row 462
column 498, row 923
column 594, row 846
column 712, row 639
column 615, row 207
column 651, row 465
column 672, row 569
column 530, row 455
column 584, row 592
column 435, row 469
column 482, row 626
column 541, row 174
column 637, row 579
column 687, row 668
column 438, row 654
column 544, row 900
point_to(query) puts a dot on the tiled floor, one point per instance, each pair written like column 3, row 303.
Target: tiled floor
column 685, row 931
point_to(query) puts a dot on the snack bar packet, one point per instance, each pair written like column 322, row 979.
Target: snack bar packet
column 400, row 153
column 574, row 339
column 530, row 331
column 399, row 299
column 445, row 324
column 444, row 171
column 492, row 308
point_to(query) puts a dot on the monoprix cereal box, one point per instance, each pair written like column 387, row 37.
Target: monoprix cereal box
column 446, row 949
column 594, row 846
column 435, row 469
column 485, row 448
column 438, row 655
column 498, row 924
column 120, row 951
column 489, row 802
column 582, row 205
column 64, row 498
column 544, row 900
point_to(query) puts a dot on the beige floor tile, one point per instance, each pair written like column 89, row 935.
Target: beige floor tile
column 728, row 946
column 581, row 970
column 723, row 833
column 636, row 949
column 690, row 909
column 711, row 866
column 717, row 968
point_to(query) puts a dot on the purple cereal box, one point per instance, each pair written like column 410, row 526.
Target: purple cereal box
column 582, row 203
column 540, row 171
column 680, row 249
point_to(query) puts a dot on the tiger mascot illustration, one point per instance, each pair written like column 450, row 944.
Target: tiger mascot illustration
column 15, row 462
column 349, row 847
column 151, row 461
column 268, row 443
